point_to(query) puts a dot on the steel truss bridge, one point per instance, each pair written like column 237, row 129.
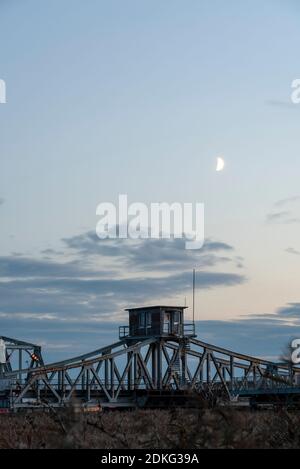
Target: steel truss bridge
column 151, row 371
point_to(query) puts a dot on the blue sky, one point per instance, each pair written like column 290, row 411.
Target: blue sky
column 139, row 98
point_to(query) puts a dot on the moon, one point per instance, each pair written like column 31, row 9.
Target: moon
column 220, row 164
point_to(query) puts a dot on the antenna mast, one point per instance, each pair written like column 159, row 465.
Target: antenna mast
column 194, row 282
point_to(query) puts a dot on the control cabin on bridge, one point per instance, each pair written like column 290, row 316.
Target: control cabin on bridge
column 157, row 321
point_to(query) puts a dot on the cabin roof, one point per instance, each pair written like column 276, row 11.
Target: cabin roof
column 142, row 308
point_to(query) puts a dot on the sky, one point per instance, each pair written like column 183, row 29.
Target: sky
column 139, row 98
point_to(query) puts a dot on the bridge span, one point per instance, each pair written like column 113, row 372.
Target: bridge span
column 157, row 361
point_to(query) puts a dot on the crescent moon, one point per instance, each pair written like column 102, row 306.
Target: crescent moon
column 220, row 164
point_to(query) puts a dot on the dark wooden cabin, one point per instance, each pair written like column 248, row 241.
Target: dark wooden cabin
column 157, row 321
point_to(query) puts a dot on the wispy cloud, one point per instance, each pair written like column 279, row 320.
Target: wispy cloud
column 277, row 216
column 289, row 215
column 293, row 251
column 287, row 201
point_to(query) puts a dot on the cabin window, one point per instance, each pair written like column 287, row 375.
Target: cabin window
column 142, row 320
column 176, row 317
column 167, row 323
column 149, row 319
column 176, row 322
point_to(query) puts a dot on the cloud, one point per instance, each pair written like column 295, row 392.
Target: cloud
column 284, row 217
column 152, row 254
column 104, row 277
column 263, row 335
column 69, row 299
column 2, row 201
column 293, row 251
column 291, row 310
column 259, row 337
column 287, row 201
column 73, row 306
column 277, row 216
column 17, row 266
column 288, row 215
column 51, row 252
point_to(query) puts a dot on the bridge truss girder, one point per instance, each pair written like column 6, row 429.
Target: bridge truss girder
column 115, row 374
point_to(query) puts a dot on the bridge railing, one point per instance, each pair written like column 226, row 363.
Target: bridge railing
column 186, row 330
column 189, row 329
column 263, row 384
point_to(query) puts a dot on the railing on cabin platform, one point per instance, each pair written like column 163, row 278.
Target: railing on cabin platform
column 184, row 330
